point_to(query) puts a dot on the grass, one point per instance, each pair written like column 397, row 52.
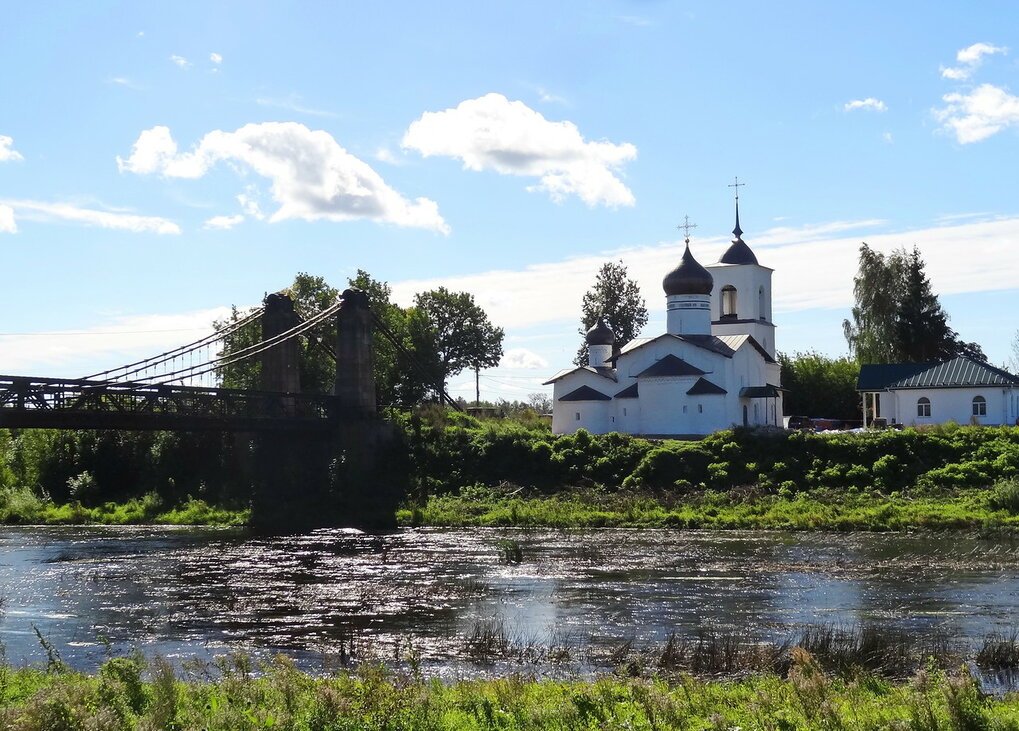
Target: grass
column 128, row 694
column 822, row 509
column 22, row 507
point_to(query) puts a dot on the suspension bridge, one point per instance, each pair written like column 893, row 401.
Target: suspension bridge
column 319, row 458
column 182, row 389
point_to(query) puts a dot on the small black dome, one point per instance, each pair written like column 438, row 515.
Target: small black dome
column 600, row 334
column 688, row 278
column 738, row 253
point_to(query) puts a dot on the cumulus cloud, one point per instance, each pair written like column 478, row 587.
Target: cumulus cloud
column 7, row 224
column 522, row 358
column 870, row 104
column 223, row 223
column 42, row 211
column 969, row 59
column 493, row 133
column 7, row 151
column 181, row 62
column 978, row 114
column 313, row 177
column 215, row 58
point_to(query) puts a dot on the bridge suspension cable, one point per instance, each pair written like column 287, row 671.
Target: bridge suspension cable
column 245, row 353
column 123, row 373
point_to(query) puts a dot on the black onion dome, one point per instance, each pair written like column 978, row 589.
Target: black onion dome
column 600, row 334
column 688, row 278
column 738, row 251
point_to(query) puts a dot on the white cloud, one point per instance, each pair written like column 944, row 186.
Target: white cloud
column 123, row 81
column 249, row 203
column 7, row 224
column 814, row 268
column 493, row 133
column 384, row 154
column 116, row 341
column 549, row 98
column 978, row 114
column 522, row 358
column 870, row 104
column 41, row 211
column 7, row 151
column 970, row 59
column 293, row 103
column 223, row 223
column 313, row 177
column 887, row 137
column 181, row 62
column 215, row 58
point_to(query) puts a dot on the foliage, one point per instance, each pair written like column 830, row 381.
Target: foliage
column 820, row 386
column 616, row 299
column 374, row 698
column 458, row 331
column 897, row 317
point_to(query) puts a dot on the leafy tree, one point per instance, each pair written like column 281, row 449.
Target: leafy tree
column 820, row 386
column 1015, row 353
column 615, row 298
column 316, row 359
column 897, row 316
column 458, row 331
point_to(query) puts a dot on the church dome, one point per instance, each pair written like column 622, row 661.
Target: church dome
column 688, row 278
column 738, row 251
column 600, row 334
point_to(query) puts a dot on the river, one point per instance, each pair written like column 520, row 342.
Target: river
column 432, row 593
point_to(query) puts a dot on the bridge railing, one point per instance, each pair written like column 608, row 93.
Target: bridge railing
column 56, row 402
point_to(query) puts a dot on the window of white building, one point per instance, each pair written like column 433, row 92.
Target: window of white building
column 728, row 301
column 923, row 407
column 979, row 406
column 578, row 416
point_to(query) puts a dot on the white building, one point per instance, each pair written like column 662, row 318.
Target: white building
column 962, row 390
column 713, row 368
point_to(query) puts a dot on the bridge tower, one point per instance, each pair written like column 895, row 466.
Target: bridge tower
column 280, row 370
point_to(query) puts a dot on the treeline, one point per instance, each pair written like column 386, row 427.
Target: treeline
column 458, row 451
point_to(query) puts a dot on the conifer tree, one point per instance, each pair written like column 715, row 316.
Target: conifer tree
column 616, row 299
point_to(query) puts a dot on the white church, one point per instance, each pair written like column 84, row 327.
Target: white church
column 713, row 368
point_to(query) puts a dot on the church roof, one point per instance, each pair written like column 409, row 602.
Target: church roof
column 956, row 373
column 600, row 334
column 738, row 252
column 736, row 342
column 689, row 277
column 629, row 392
column 603, row 372
column 585, row 393
column 766, row 391
column 670, row 365
column 707, row 342
column 704, row 387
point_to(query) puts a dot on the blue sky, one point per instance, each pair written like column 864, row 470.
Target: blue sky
column 161, row 162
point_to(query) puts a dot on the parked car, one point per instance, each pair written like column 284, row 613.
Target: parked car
column 798, row 422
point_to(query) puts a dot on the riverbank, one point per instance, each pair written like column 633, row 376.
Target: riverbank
column 232, row 694
column 22, row 507
column 988, row 511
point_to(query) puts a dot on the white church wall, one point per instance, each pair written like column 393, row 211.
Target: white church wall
column 628, row 417
column 753, row 302
column 951, row 404
column 666, row 409
column 594, row 415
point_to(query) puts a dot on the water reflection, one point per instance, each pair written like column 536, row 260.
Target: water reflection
column 187, row 593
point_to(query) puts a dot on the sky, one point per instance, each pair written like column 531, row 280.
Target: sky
column 160, row 162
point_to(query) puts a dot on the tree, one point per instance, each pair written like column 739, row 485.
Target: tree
column 458, row 330
column 616, row 299
column 820, row 386
column 897, row 316
column 1015, row 353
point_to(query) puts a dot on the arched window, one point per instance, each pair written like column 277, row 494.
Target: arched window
column 979, row 406
column 728, row 302
column 761, row 314
column 923, row 407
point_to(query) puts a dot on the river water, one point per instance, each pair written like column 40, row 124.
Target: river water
column 437, row 593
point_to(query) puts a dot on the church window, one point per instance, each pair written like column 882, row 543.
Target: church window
column 624, row 411
column 760, row 304
column 979, row 406
column 578, row 416
column 684, row 409
column 728, row 301
column 700, row 408
column 923, row 407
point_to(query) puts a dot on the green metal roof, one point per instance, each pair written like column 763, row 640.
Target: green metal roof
column 956, row 373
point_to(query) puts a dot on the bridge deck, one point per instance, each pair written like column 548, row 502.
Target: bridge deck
column 27, row 402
